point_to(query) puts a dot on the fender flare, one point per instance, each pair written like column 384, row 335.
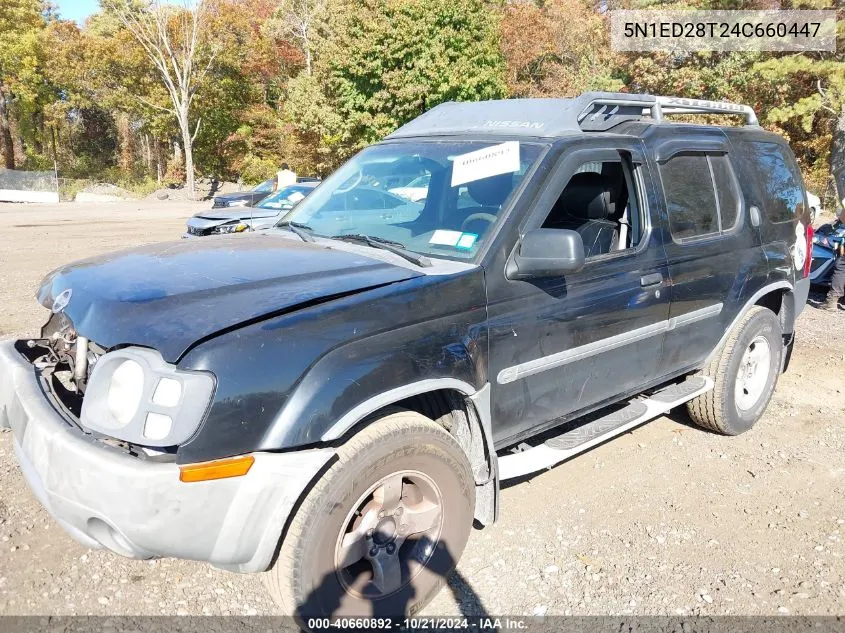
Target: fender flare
column 752, row 300
column 374, row 403
column 478, row 403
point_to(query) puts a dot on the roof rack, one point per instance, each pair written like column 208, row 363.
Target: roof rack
column 530, row 118
column 604, row 110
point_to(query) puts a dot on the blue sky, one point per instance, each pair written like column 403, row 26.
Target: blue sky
column 77, row 9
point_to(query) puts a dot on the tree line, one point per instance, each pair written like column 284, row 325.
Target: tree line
column 148, row 93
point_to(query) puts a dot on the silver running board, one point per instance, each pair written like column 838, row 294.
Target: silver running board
column 567, row 445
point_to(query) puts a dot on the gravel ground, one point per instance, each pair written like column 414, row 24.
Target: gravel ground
column 667, row 519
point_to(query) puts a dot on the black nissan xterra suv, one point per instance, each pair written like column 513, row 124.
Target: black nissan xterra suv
column 334, row 401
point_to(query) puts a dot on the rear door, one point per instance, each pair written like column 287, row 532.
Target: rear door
column 715, row 256
column 564, row 344
column 773, row 184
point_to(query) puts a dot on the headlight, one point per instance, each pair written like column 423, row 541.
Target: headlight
column 231, row 228
column 125, row 391
column 134, row 395
column 238, row 203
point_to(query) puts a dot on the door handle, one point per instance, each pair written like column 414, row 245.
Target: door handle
column 651, row 280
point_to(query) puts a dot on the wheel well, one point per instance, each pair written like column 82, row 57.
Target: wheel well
column 782, row 304
column 455, row 412
column 438, row 405
column 773, row 301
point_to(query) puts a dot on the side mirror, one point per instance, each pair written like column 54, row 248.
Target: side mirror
column 547, row 253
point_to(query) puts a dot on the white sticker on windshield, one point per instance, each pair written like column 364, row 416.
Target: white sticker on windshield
column 486, row 162
column 296, row 196
column 445, row 238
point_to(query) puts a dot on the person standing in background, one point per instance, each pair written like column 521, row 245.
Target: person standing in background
column 285, row 177
column 837, row 281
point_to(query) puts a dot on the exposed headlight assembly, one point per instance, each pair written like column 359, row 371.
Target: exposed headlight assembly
column 231, row 228
column 134, row 395
column 126, row 388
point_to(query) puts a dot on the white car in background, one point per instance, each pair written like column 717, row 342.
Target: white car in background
column 415, row 191
column 815, row 205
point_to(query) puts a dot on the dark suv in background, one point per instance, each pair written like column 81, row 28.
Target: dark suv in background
column 253, row 196
column 334, row 401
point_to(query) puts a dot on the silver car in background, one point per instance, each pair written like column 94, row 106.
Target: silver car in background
column 240, row 219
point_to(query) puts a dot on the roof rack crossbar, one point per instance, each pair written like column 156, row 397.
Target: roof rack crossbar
column 657, row 107
column 680, row 105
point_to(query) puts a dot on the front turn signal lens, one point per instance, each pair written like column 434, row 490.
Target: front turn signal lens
column 221, row 469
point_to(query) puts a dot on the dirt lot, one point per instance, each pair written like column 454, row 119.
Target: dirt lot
column 667, row 519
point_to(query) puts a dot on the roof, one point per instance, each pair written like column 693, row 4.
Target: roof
column 591, row 111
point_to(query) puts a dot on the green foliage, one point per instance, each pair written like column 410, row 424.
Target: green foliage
column 380, row 63
column 309, row 82
column 20, row 53
column 69, row 187
column 140, row 187
column 255, row 169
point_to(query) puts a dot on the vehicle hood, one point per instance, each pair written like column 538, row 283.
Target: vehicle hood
column 169, row 296
column 239, row 195
column 229, row 214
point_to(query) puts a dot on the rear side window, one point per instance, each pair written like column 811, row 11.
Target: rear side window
column 701, row 194
column 782, row 192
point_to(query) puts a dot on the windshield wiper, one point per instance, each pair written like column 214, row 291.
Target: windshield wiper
column 302, row 230
column 397, row 248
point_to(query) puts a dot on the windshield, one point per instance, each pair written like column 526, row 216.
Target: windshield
column 265, row 187
column 464, row 186
column 285, row 198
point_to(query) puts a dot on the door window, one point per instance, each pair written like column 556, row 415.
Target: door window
column 600, row 203
column 701, row 194
column 727, row 192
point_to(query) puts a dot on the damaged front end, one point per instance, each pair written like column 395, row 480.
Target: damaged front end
column 129, row 398
column 65, row 360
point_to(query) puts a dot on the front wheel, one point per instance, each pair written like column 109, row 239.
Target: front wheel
column 744, row 372
column 382, row 527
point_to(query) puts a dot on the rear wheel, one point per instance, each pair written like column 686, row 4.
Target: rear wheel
column 744, row 371
column 382, row 528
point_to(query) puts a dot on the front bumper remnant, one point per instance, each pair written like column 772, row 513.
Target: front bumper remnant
column 139, row 508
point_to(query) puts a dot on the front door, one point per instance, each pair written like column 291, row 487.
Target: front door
column 561, row 345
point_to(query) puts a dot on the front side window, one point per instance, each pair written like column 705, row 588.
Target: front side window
column 434, row 198
column 600, row 203
column 701, row 194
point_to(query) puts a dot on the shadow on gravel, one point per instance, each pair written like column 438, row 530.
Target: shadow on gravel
column 346, row 592
column 817, row 297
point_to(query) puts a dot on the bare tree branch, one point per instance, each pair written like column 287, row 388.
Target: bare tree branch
column 297, row 18
column 154, row 105
column 825, row 97
column 172, row 38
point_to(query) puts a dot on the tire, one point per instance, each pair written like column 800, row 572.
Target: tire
column 307, row 581
column 724, row 411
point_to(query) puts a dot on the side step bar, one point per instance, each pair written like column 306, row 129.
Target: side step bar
column 562, row 447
